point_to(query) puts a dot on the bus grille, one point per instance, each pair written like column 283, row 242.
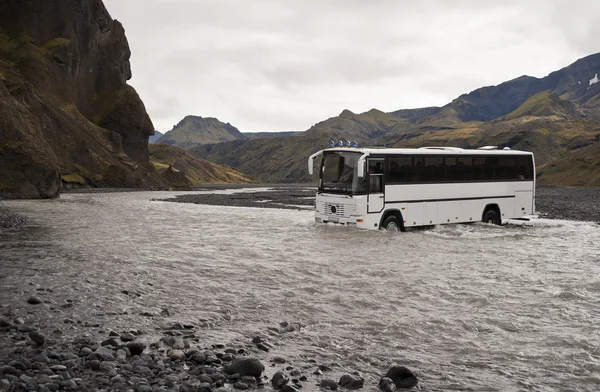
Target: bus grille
column 335, row 209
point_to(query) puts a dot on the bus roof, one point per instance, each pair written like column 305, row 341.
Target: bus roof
column 429, row 151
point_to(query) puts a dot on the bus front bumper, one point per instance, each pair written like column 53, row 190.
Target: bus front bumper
column 361, row 222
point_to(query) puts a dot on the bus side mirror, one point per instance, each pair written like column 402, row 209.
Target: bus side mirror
column 361, row 166
column 311, row 161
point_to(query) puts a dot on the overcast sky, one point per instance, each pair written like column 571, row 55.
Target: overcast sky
column 273, row 65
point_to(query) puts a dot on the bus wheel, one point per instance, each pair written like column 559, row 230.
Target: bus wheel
column 391, row 224
column 491, row 216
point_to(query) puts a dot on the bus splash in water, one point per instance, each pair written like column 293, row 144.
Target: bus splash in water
column 398, row 188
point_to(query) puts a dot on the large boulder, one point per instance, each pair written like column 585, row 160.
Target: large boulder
column 246, row 367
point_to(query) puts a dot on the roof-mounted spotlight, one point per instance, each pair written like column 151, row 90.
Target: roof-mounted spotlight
column 354, row 144
column 340, row 143
column 331, row 143
column 347, row 143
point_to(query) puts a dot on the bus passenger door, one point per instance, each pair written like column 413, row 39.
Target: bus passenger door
column 376, row 197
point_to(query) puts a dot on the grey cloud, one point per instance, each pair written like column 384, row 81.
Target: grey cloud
column 284, row 64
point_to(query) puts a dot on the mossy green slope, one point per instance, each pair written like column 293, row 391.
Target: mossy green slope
column 197, row 171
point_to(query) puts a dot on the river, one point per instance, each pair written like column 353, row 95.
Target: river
column 466, row 307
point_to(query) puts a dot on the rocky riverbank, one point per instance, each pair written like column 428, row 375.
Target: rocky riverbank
column 34, row 359
column 579, row 204
column 10, row 220
column 281, row 198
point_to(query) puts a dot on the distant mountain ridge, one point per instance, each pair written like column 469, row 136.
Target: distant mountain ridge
column 197, row 130
column 551, row 116
column 153, row 138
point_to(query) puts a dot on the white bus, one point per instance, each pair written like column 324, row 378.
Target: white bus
column 398, row 188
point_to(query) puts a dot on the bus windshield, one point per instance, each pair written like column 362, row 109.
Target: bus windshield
column 339, row 173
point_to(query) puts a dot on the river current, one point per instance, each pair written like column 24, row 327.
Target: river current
column 466, row 307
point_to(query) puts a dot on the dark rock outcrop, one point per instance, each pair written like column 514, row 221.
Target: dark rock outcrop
column 66, row 111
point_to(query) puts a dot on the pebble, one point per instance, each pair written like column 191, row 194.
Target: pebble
column 110, row 342
column 37, row 337
column 279, row 380
column 136, row 348
column 128, row 337
column 33, row 300
column 329, row 384
column 246, row 367
column 177, row 355
column 402, row 376
column 350, row 382
column 4, row 384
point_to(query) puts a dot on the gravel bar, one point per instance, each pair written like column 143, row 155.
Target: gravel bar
column 578, row 204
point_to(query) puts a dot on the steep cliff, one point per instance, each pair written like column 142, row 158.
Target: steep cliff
column 66, row 110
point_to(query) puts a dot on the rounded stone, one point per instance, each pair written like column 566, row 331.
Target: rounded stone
column 176, row 355
column 279, row 380
column 329, row 384
column 128, row 337
column 246, row 367
column 136, row 348
column 350, row 382
column 386, row 384
column 402, row 377
column 33, row 300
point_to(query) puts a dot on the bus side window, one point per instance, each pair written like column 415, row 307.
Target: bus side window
column 525, row 168
column 465, row 169
column 451, row 168
column 478, row 165
column 417, row 172
column 375, row 176
column 509, row 165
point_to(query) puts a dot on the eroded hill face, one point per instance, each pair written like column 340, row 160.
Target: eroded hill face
column 66, row 109
column 181, row 169
column 195, row 130
column 554, row 117
column 67, row 115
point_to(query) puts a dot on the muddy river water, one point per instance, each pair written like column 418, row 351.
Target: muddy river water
column 466, row 307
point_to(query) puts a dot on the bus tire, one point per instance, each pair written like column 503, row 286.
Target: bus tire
column 492, row 216
column 391, row 224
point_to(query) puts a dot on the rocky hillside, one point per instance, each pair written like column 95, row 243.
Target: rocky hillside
column 68, row 118
column 182, row 169
column 553, row 116
column 259, row 135
column 154, row 138
column 195, row 130
column 66, row 110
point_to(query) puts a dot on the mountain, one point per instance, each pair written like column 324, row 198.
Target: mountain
column 153, row 138
column 487, row 103
column 196, row 130
column 181, row 169
column 258, row 135
column 554, row 116
column 67, row 113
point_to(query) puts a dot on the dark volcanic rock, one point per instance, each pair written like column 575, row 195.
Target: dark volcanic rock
column 245, row 367
column 37, row 337
column 34, row 300
column 136, row 348
column 402, row 377
column 350, row 382
column 329, row 384
column 279, row 380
